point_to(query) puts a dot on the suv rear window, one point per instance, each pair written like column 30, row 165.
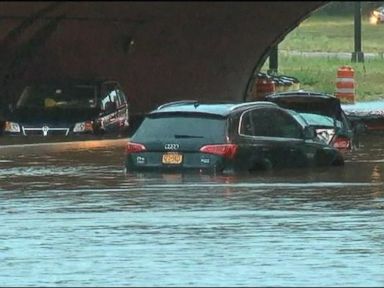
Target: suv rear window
column 183, row 125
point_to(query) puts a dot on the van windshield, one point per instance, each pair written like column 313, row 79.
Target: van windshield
column 50, row 96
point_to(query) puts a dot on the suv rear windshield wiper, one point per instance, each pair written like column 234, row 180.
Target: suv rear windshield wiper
column 187, row 136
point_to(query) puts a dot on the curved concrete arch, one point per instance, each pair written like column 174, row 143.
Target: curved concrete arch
column 159, row 51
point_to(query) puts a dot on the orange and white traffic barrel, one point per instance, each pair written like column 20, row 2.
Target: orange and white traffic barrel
column 264, row 85
column 345, row 84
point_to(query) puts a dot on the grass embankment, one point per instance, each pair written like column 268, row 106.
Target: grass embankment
column 333, row 34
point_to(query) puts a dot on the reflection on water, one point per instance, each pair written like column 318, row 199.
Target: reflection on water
column 74, row 218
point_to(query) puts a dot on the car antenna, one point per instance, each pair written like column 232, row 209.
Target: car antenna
column 196, row 104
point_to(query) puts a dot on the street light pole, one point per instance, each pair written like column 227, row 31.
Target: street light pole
column 273, row 60
column 357, row 55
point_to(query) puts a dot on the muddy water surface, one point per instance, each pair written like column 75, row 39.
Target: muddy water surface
column 74, row 218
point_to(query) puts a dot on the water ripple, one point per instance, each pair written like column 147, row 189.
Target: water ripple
column 69, row 220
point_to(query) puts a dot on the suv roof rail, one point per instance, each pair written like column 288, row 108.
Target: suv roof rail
column 180, row 102
column 246, row 104
column 301, row 92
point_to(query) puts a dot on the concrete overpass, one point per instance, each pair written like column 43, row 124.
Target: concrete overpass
column 159, row 51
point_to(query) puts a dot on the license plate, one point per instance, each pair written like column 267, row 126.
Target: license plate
column 172, row 158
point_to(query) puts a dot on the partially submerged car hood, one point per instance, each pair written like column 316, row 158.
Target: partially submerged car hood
column 51, row 116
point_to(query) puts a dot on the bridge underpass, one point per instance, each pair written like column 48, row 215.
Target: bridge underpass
column 158, row 51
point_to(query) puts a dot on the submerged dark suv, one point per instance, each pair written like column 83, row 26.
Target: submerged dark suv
column 227, row 137
column 324, row 113
column 68, row 107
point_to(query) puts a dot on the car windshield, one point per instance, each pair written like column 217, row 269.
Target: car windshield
column 181, row 126
column 320, row 120
column 49, row 96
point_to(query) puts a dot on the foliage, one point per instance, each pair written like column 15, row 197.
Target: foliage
column 346, row 8
column 319, row 74
column 324, row 34
column 333, row 34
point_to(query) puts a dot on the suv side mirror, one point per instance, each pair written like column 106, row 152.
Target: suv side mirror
column 309, row 132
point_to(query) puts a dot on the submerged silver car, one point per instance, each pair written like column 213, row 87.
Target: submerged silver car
column 322, row 111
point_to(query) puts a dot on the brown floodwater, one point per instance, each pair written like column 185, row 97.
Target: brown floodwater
column 70, row 216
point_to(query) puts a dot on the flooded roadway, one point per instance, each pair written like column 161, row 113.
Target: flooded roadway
column 71, row 217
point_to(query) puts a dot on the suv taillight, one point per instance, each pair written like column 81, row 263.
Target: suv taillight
column 132, row 147
column 225, row 150
column 342, row 143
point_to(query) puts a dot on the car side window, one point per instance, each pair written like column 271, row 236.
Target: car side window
column 123, row 99
column 269, row 123
column 246, row 127
column 114, row 97
column 109, row 96
column 106, row 99
column 289, row 128
column 256, row 123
